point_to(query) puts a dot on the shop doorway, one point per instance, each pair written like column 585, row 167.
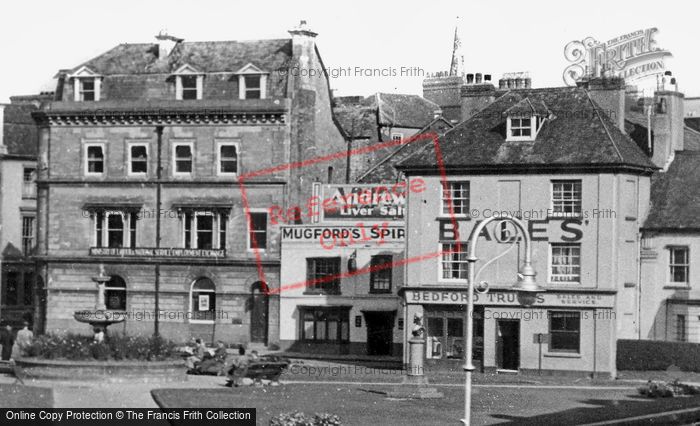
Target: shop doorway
column 445, row 328
column 508, row 345
column 259, row 305
column 380, row 332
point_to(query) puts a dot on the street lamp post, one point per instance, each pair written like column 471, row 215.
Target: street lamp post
column 526, row 285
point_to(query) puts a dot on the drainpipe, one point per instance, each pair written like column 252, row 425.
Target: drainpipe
column 156, row 325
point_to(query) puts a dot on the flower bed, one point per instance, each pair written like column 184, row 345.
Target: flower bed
column 119, row 357
column 117, row 347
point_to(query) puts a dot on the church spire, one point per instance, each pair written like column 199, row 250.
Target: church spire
column 457, row 65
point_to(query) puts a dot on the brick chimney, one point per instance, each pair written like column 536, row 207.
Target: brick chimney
column 668, row 126
column 443, row 89
column 609, row 94
column 304, row 56
column 475, row 97
column 166, row 43
column 3, row 148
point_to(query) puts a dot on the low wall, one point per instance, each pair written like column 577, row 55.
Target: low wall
column 657, row 355
column 107, row 371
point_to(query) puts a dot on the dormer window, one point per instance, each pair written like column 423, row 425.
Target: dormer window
column 86, row 85
column 521, row 127
column 252, row 82
column 87, row 89
column 525, row 119
column 189, row 83
column 189, row 87
column 251, row 85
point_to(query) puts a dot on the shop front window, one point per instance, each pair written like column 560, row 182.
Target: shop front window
column 323, row 324
column 446, row 329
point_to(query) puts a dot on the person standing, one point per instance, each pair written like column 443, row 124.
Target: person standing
column 7, row 340
column 24, row 339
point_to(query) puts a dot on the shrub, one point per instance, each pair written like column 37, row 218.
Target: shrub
column 115, row 347
column 657, row 355
column 297, row 418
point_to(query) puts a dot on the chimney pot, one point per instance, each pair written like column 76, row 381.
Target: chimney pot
column 478, row 78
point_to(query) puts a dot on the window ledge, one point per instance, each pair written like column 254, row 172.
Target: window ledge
column 321, row 293
column 462, row 216
column 677, row 287
column 561, row 355
column 565, row 216
column 193, row 321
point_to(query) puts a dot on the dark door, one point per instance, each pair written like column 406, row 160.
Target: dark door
column 258, row 314
column 508, row 344
column 380, row 332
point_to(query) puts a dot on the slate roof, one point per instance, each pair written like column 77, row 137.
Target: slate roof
column 20, row 132
column 357, row 121
column 399, row 110
column 579, row 136
column 675, row 194
column 528, row 107
column 205, row 56
column 693, row 122
column 385, row 171
column 691, row 139
column 691, row 130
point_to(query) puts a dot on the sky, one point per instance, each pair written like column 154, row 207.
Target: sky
column 40, row 37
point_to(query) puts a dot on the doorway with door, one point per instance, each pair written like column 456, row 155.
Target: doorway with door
column 259, row 307
column 380, row 332
column 508, row 345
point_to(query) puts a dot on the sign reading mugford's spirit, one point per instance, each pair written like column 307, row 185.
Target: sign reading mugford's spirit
column 157, row 252
column 364, row 202
column 357, row 232
column 631, row 56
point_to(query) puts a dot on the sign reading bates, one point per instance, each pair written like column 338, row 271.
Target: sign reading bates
column 367, row 202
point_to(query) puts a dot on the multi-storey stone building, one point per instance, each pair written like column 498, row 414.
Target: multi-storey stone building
column 140, row 162
column 18, row 208
column 559, row 159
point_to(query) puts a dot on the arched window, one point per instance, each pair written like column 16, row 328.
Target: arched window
column 115, row 293
column 203, row 300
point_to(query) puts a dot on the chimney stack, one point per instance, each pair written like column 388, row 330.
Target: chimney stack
column 668, row 126
column 3, row 148
column 303, row 54
column 166, row 43
column 476, row 97
column 609, row 94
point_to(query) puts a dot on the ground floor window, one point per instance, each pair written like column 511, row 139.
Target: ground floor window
column 446, row 331
column 681, row 327
column 203, row 300
column 324, row 324
column 17, row 288
column 115, row 294
column 565, row 331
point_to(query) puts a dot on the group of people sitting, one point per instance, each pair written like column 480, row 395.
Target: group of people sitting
column 220, row 362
